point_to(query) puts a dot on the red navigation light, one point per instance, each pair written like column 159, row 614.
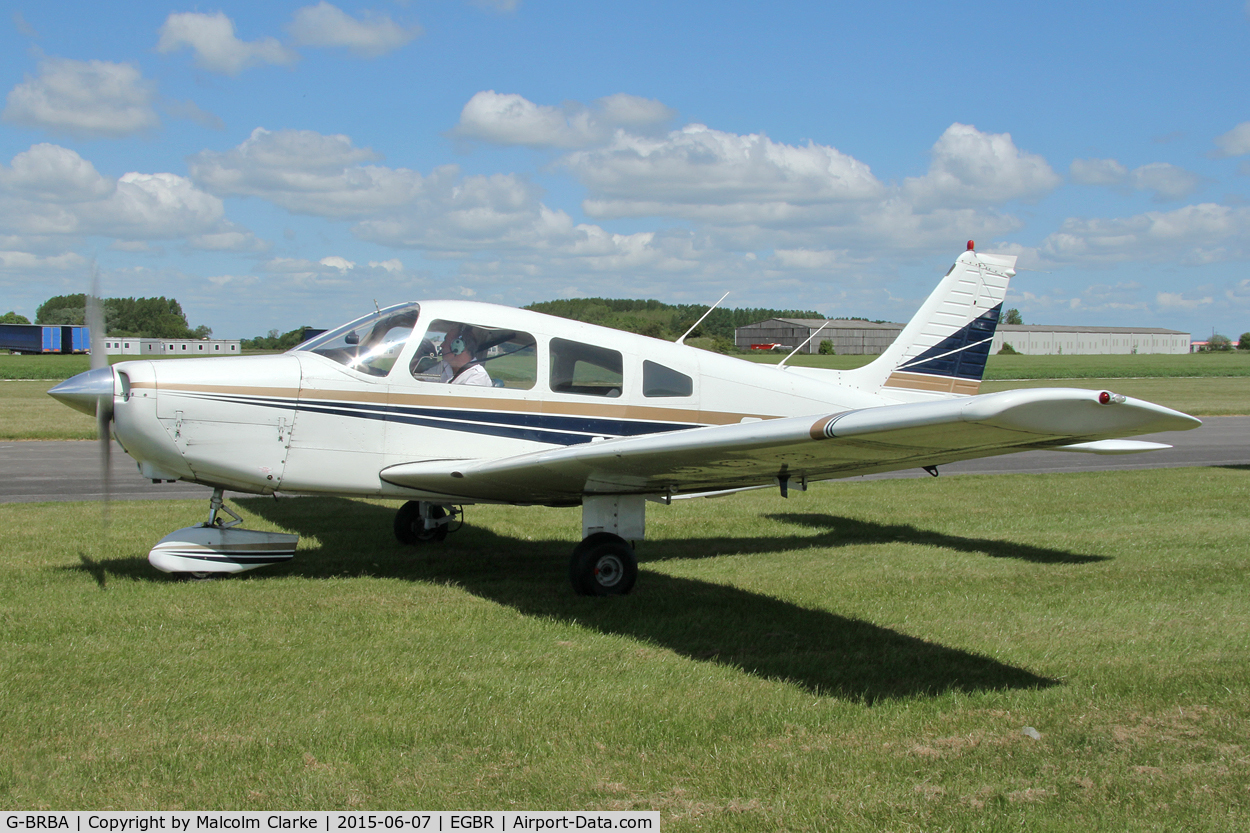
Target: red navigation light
column 971, row 245
column 1104, row 398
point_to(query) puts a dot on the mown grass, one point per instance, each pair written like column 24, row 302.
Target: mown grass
column 1234, row 363
column 51, row 366
column 862, row 657
column 57, row 367
column 28, row 413
column 1203, row 396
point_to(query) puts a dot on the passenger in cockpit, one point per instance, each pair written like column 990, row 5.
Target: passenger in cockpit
column 460, row 365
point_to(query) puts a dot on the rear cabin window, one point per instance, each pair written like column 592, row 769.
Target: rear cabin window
column 585, row 369
column 658, row 380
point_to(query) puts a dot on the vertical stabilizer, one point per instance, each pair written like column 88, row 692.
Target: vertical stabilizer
column 944, row 348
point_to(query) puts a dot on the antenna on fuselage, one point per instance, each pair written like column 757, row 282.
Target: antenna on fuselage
column 782, row 363
column 682, row 340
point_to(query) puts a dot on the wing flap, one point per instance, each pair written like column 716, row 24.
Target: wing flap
column 845, row 444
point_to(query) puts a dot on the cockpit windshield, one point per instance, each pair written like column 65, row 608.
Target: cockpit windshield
column 370, row 344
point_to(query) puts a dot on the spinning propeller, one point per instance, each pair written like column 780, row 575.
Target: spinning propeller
column 104, row 404
column 92, row 392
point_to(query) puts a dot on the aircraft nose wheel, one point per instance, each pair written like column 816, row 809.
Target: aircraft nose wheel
column 603, row 565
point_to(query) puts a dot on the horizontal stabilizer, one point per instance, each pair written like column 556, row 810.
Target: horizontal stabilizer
column 1114, row 447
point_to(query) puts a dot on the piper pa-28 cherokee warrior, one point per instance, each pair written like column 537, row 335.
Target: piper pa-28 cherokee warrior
column 448, row 403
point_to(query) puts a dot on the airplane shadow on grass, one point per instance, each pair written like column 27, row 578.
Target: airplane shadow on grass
column 822, row 652
column 846, row 531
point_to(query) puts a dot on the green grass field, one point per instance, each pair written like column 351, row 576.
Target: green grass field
column 57, row 367
column 865, row 656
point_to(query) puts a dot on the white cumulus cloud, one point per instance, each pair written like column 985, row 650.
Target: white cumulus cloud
column 83, row 98
column 443, row 212
column 50, row 192
column 1235, row 142
column 53, row 174
column 1164, row 181
column 700, row 171
column 1195, row 234
column 971, row 168
column 1177, row 300
column 228, row 237
column 211, row 37
column 327, row 25
column 1107, row 172
column 511, row 119
column 307, row 173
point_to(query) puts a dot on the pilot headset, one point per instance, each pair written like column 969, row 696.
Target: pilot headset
column 457, row 345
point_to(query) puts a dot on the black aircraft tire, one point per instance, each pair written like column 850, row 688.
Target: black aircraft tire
column 603, row 565
column 410, row 529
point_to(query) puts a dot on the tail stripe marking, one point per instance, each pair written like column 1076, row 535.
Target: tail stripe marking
column 962, row 354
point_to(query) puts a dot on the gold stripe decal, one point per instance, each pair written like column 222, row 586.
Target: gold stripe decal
column 937, row 384
column 822, row 429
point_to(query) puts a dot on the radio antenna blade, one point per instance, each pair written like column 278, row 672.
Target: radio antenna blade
column 682, row 340
column 782, row 363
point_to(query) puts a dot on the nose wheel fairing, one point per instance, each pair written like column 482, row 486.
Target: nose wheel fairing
column 214, row 549
column 218, row 546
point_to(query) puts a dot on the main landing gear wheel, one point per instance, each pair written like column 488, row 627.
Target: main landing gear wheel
column 603, row 565
column 410, row 527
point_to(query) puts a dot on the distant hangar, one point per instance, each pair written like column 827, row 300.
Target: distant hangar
column 859, row 337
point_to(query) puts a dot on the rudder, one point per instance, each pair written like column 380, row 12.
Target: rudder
column 944, row 348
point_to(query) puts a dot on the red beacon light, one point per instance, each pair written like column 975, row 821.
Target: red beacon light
column 1104, row 398
column 971, row 246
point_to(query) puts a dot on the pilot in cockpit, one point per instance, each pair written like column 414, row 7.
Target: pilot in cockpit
column 460, row 365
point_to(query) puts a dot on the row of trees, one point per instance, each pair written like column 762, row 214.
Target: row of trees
column 135, row 317
column 661, row 320
column 274, row 340
column 1221, row 343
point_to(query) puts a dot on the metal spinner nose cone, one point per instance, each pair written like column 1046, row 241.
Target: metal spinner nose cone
column 84, row 391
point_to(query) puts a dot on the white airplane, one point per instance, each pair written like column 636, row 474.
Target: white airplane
column 448, row 403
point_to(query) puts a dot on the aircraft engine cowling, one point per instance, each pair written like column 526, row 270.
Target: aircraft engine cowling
column 224, row 422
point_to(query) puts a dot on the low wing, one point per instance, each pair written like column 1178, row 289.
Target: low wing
column 837, row 445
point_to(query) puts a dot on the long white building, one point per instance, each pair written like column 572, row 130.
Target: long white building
column 121, row 346
column 1044, row 340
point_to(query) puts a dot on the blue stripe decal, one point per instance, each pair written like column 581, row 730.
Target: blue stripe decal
column 962, row 354
column 198, row 555
column 543, row 428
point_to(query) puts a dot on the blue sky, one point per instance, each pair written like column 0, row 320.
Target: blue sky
column 288, row 163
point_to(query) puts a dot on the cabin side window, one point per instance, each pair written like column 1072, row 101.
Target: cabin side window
column 464, row 353
column 586, row 369
column 658, row 380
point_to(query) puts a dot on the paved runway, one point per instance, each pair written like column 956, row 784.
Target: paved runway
column 52, row 471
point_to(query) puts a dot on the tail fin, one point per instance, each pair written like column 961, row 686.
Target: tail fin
column 945, row 346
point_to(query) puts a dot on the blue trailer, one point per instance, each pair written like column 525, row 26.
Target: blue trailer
column 37, row 338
